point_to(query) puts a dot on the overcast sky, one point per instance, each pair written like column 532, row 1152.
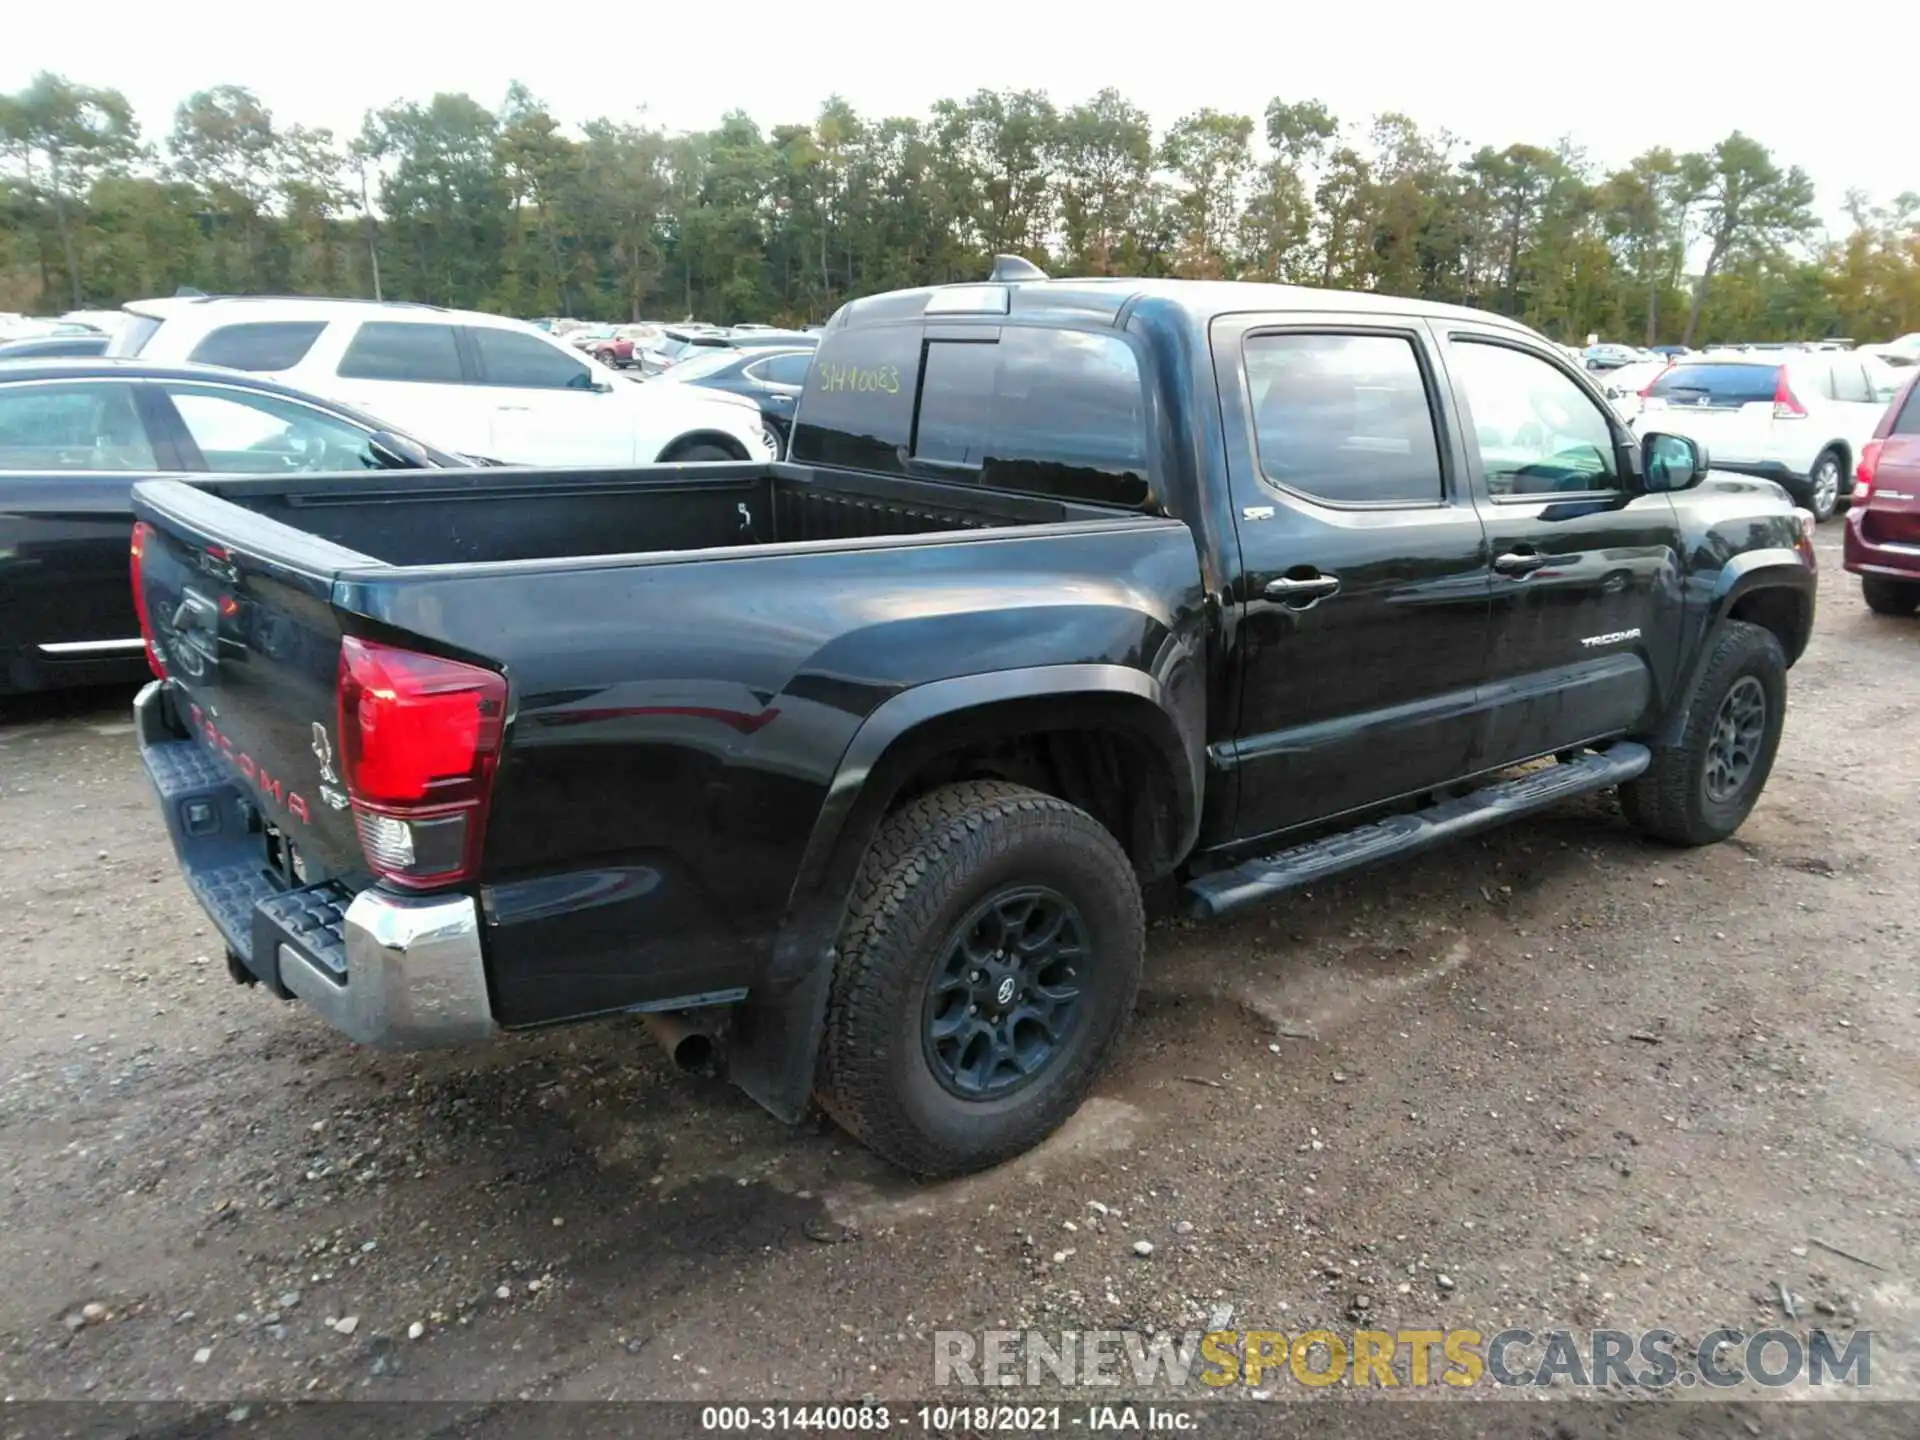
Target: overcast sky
column 1617, row 78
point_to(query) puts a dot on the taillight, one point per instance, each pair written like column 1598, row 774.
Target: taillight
column 1863, row 472
column 1786, row 405
column 143, row 537
column 419, row 736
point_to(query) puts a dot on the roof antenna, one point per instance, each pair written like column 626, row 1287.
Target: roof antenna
column 187, row 292
column 1008, row 268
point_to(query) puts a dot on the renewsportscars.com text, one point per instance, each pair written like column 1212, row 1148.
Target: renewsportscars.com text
column 1415, row 1359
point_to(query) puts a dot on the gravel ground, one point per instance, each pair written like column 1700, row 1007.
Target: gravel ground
column 1554, row 1076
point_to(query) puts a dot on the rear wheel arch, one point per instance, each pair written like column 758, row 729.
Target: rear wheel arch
column 919, row 740
column 1059, row 743
column 678, row 447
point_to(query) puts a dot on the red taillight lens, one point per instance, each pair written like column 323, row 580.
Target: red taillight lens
column 1786, row 405
column 143, row 537
column 419, row 737
column 1863, row 472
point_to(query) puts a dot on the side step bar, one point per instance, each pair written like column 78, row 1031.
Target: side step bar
column 1224, row 891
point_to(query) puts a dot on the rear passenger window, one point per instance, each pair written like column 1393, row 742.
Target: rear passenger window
column 1850, row 383
column 1040, row 411
column 1344, row 418
column 395, row 350
column 260, row 346
column 90, row 425
column 782, row 369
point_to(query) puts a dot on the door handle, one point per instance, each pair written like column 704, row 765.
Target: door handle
column 504, row 408
column 1518, row 563
column 1290, row 591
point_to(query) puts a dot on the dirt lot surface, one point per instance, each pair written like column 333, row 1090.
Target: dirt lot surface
column 1554, row 1076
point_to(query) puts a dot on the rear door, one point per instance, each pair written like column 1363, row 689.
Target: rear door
column 411, row 375
column 1364, row 581
column 776, row 383
column 546, row 406
column 1586, row 569
column 1725, row 405
column 1891, row 516
column 70, row 451
column 1860, row 399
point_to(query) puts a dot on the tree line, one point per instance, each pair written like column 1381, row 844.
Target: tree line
column 450, row 202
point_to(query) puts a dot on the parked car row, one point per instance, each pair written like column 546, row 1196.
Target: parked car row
column 474, row 383
column 74, row 437
column 1801, row 418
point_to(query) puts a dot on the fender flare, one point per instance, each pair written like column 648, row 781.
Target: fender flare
column 1768, row 569
column 777, row 1030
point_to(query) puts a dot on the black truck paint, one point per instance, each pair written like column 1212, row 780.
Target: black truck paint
column 724, row 678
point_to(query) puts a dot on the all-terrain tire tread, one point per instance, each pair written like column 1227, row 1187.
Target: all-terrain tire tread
column 921, row 854
column 1662, row 800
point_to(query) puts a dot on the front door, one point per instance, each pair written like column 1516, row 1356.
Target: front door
column 1586, row 569
column 547, row 405
column 1363, row 588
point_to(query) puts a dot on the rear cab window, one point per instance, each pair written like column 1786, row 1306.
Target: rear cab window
column 258, row 345
column 1031, row 410
column 1721, row 385
column 1039, row 411
column 403, row 350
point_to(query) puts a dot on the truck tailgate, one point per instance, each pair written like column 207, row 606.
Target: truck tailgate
column 238, row 610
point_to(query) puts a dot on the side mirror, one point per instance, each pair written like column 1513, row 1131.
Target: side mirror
column 1672, row 462
column 397, row 452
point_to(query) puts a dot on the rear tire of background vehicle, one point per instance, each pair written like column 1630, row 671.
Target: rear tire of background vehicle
column 1890, row 597
column 988, row 967
column 689, row 454
column 1699, row 791
column 1824, row 480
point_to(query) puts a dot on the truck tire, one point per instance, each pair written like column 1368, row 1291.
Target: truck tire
column 988, row 967
column 1890, row 597
column 1699, row 790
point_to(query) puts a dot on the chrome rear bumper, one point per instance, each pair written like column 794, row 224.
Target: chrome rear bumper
column 402, row 972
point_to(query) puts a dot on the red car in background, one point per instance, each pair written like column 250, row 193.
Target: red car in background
column 622, row 349
column 1883, row 527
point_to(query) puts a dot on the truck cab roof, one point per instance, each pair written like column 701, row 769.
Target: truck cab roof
column 1105, row 300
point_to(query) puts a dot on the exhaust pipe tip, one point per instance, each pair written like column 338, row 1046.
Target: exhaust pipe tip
column 697, row 1054
column 691, row 1047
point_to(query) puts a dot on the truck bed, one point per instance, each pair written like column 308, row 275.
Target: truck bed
column 688, row 652
column 442, row 517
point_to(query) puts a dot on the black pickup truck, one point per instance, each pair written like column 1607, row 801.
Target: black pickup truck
column 858, row 774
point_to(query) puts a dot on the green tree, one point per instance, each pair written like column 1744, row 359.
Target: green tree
column 59, row 138
column 1103, row 151
column 1209, row 152
column 1749, row 207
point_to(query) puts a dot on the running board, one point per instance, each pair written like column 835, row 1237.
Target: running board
column 1224, row 891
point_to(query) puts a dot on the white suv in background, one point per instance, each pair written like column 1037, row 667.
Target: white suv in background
column 478, row 384
column 1797, row 417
